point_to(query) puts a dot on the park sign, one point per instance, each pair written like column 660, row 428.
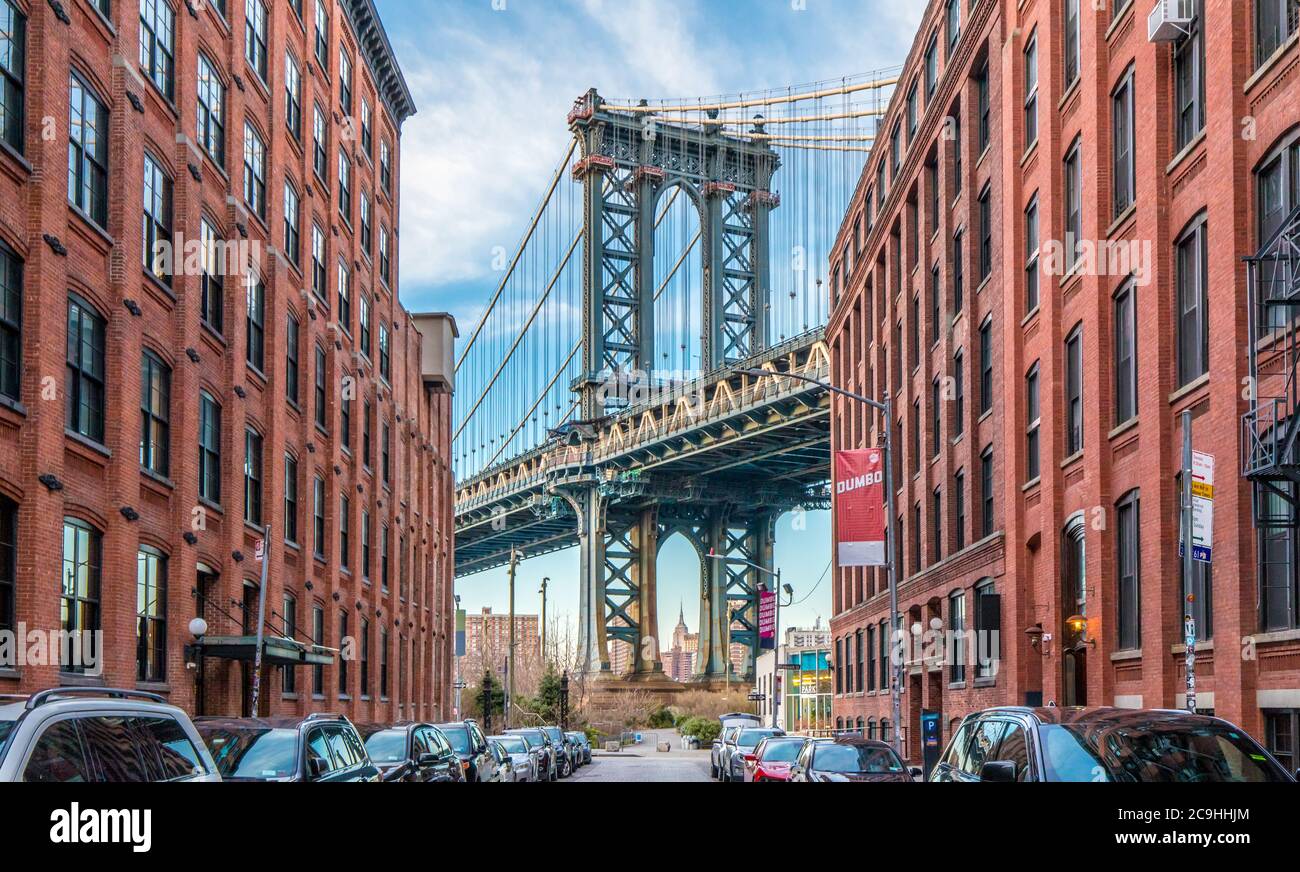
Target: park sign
column 859, row 507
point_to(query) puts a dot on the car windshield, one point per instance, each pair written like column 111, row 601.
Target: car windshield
column 458, row 737
column 253, row 754
column 1154, row 752
column 6, row 727
column 556, row 735
column 514, row 744
column 387, row 746
column 750, row 738
column 781, row 751
column 855, row 758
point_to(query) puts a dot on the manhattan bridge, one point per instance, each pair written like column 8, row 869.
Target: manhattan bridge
column 610, row 397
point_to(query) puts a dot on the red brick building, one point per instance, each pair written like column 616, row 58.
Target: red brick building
column 1044, row 265
column 157, row 412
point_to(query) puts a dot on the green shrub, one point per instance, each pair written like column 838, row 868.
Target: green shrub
column 707, row 730
column 660, row 719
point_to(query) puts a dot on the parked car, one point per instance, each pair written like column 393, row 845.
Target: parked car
column 469, row 743
column 79, row 735
column 848, row 758
column 411, row 752
column 715, row 753
column 564, row 750
column 582, row 745
column 1102, row 744
column 524, row 758
column 505, row 765
column 772, row 758
column 547, row 757
column 743, row 742
column 740, row 719
column 317, row 747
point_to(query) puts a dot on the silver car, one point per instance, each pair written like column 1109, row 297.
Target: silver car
column 77, row 735
column 716, row 754
column 525, row 759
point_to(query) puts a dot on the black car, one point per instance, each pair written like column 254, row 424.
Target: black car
column 318, row 747
column 1102, row 744
column 564, row 750
column 471, row 746
column 411, row 752
column 848, row 758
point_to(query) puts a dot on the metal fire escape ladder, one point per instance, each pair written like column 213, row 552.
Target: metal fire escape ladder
column 1271, row 428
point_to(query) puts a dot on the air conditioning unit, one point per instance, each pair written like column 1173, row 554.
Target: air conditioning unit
column 1171, row 20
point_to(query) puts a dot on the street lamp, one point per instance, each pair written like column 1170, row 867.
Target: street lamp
column 777, row 588
column 886, row 407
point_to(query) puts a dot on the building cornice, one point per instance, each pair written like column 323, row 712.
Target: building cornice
column 378, row 51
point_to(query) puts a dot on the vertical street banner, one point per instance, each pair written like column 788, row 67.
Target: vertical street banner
column 859, row 507
column 767, row 619
column 460, row 632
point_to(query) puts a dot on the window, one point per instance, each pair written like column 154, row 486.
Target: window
column 213, row 294
column 255, row 351
column 936, row 303
column 958, row 176
column 916, row 436
column 931, row 67
column 343, row 664
column 383, row 663
column 11, row 322
column 255, row 36
column 291, row 341
column 957, row 627
column 982, row 105
column 1071, row 11
column 84, row 386
column 345, row 418
column 157, row 221
column 895, row 149
column 857, row 660
column 932, row 182
column 958, row 272
column 1075, row 595
column 155, row 415
column 367, row 453
column 1031, row 92
column 367, row 131
column 345, row 298
column 936, row 523
column 839, row 666
column 1031, row 255
column 1280, row 728
column 79, row 602
column 8, row 560
column 911, row 112
column 365, row 222
column 871, row 659
column 209, row 448
column 386, row 166
column 318, row 517
column 289, row 615
column 988, row 620
column 1032, row 422
column 385, row 271
column 1279, row 592
column 986, row 366
column 1073, row 205
column 881, row 657
column 320, row 387
column 959, row 392
column 319, row 144
column 1125, row 332
column 345, row 529
column 88, row 153
column 293, row 96
column 13, row 62
column 1123, row 172
column 1275, row 22
column 918, row 562
column 322, row 36
column 363, row 316
column 253, row 477
column 1190, row 264
column 384, row 446
column 318, row 277
column 1074, row 392
column 151, row 615
column 986, row 232
column 365, row 658
column 936, row 418
column 211, row 124
column 345, row 187
column 292, row 244
column 385, row 354
column 290, row 498
column 383, row 557
column 318, row 638
column 953, row 24
column 987, row 524
column 365, row 544
column 959, row 507
column 1128, row 563
column 345, row 82
column 1277, row 184
column 914, row 332
column 254, row 171
column 158, row 45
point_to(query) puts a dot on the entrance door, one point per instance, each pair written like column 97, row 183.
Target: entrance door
column 1075, row 677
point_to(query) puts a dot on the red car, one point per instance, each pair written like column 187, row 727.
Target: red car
column 771, row 759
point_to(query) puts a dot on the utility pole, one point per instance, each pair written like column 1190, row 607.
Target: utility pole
column 1189, row 517
column 776, row 653
column 546, row 580
column 510, row 650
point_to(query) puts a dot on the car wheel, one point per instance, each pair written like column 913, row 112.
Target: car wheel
column 713, row 771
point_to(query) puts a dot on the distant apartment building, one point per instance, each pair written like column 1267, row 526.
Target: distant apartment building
column 487, row 644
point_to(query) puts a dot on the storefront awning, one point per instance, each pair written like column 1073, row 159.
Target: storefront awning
column 276, row 650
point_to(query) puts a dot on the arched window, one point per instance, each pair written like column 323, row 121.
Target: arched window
column 1073, row 572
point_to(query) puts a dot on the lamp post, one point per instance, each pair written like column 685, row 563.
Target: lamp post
column 545, row 581
column 885, row 407
column 459, row 680
column 777, row 589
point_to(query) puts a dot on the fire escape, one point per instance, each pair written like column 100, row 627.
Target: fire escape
column 1271, row 429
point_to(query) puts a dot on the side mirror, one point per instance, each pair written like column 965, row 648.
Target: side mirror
column 998, row 770
column 426, row 759
column 316, row 767
column 916, row 772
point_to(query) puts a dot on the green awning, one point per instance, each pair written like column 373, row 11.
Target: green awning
column 276, row 650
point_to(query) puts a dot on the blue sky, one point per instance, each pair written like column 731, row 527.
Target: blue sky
column 493, row 81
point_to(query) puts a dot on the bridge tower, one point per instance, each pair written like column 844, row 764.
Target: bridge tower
column 628, row 161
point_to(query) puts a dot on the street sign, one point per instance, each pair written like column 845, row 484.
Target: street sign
column 259, row 550
column 1202, row 508
column 757, row 697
